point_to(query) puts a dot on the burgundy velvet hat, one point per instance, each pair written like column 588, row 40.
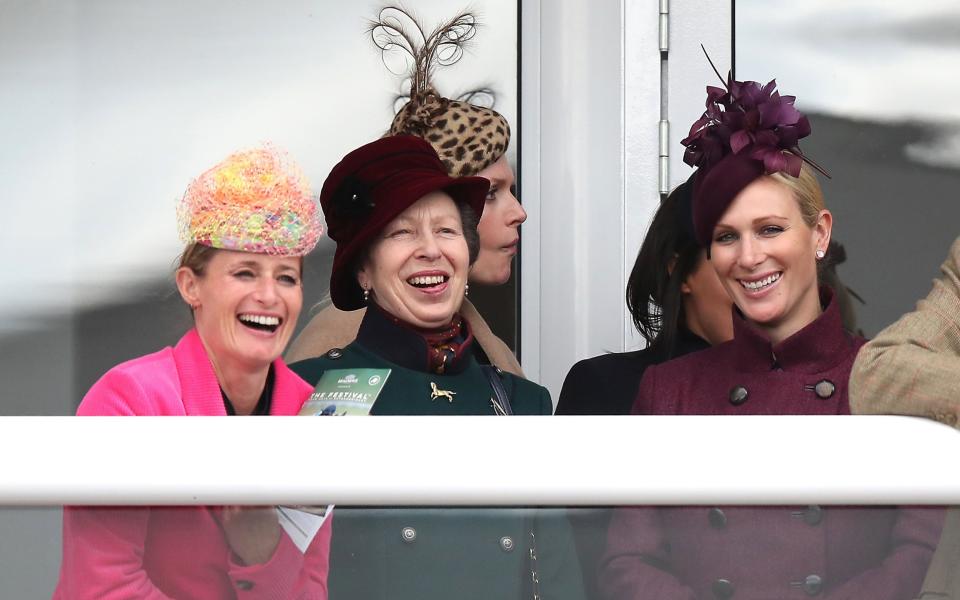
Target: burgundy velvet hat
column 369, row 188
column 748, row 130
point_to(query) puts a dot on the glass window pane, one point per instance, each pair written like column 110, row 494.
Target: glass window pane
column 112, row 107
column 874, row 78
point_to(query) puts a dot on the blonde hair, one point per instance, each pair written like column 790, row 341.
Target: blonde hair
column 806, row 191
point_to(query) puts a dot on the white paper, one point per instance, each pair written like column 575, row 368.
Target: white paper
column 303, row 522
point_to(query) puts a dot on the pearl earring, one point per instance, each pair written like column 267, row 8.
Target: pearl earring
column 466, row 289
column 366, row 295
column 820, row 254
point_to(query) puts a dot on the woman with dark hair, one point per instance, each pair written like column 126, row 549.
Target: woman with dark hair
column 758, row 210
column 677, row 305
column 247, row 223
column 406, row 237
column 471, row 140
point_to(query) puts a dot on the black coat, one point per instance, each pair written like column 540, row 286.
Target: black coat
column 607, row 385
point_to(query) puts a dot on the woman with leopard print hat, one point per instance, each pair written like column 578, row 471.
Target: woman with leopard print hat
column 470, row 140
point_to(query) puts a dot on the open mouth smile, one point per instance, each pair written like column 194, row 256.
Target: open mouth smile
column 260, row 322
column 426, row 282
column 759, row 285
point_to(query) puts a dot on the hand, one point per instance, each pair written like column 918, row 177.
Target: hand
column 252, row 532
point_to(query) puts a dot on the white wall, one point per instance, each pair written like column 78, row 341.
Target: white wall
column 591, row 104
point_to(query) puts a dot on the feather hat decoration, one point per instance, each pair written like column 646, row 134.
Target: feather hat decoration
column 466, row 136
column 747, row 130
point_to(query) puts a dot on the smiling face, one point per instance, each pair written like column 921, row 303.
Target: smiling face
column 416, row 269
column 499, row 226
column 245, row 305
column 765, row 255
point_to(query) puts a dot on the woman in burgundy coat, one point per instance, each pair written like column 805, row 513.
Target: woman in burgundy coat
column 758, row 210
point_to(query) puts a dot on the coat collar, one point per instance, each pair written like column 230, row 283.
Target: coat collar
column 817, row 347
column 402, row 346
column 200, row 389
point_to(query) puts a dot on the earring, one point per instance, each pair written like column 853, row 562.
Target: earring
column 366, row 295
column 820, row 254
column 466, row 289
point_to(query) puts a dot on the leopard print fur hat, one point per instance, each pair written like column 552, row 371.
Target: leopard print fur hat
column 467, row 138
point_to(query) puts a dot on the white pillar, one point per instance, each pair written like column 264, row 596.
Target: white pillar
column 590, row 109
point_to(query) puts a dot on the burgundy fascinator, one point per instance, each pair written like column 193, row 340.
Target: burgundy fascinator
column 747, row 130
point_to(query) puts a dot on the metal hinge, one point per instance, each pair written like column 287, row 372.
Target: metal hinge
column 664, row 25
column 664, row 153
column 664, row 156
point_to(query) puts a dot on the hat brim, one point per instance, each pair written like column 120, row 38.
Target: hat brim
column 716, row 188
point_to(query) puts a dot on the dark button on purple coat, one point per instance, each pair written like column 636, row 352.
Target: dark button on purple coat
column 749, row 375
column 880, row 553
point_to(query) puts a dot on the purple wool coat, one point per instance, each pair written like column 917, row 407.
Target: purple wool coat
column 744, row 553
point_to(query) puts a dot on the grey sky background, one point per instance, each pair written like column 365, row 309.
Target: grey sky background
column 880, row 60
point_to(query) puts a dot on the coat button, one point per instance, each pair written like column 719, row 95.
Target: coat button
column 812, row 585
column 717, row 519
column 244, row 585
column 722, row 588
column 738, row 395
column 409, row 534
column 812, row 515
column 506, row 543
column 334, row 353
column 824, row 388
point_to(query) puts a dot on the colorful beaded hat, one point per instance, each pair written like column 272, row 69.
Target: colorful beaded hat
column 255, row 201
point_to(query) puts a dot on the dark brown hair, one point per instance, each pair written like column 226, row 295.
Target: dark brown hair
column 668, row 255
column 196, row 257
column 469, row 221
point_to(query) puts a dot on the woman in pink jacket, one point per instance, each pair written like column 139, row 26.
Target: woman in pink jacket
column 247, row 223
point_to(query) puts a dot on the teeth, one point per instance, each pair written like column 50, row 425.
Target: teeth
column 260, row 319
column 759, row 285
column 427, row 280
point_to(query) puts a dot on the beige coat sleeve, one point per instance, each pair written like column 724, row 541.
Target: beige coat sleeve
column 913, row 366
column 334, row 328
column 943, row 577
column 496, row 350
column 329, row 328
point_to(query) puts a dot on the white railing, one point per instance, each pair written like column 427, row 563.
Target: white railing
column 478, row 460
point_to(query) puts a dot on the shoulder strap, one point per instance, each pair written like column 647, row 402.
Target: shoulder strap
column 493, row 376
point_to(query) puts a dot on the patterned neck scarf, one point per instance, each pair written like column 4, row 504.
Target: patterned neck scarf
column 444, row 346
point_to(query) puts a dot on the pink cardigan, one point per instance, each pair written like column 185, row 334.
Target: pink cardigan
column 178, row 552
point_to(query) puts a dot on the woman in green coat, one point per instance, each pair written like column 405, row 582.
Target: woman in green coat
column 406, row 237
